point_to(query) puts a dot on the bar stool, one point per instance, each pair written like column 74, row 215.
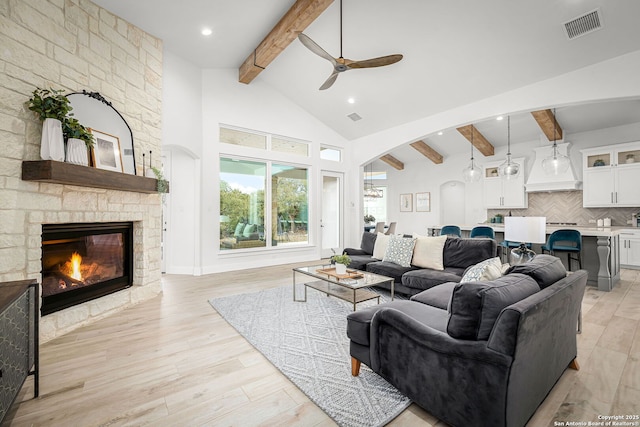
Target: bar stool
column 451, row 230
column 482, row 231
column 569, row 241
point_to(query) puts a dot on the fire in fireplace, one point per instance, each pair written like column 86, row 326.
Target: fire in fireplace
column 81, row 262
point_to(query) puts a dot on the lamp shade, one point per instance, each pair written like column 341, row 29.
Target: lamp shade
column 526, row 229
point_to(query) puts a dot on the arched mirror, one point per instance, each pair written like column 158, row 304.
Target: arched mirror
column 93, row 111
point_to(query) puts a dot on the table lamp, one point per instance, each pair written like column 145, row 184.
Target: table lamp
column 524, row 229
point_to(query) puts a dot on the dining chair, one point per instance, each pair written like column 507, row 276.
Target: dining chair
column 379, row 227
column 392, row 228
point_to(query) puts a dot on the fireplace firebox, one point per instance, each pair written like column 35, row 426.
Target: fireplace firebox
column 82, row 262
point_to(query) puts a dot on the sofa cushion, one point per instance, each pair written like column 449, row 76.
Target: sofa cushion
column 399, row 251
column 426, row 278
column 428, row 252
column 437, row 296
column 465, row 252
column 489, row 269
column 368, row 242
column 359, row 322
column 380, row 247
column 545, row 269
column 475, row 306
column 388, row 269
column 359, row 262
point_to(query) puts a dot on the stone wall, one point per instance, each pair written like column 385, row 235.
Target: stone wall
column 74, row 45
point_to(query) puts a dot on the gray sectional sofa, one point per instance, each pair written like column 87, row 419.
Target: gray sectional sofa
column 476, row 353
column 458, row 255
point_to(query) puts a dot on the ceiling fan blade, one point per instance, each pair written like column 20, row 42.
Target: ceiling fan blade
column 376, row 62
column 330, row 81
column 313, row 47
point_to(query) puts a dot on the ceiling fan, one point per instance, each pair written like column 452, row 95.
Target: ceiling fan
column 341, row 64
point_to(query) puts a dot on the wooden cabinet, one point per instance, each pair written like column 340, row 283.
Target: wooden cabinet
column 18, row 339
column 501, row 193
column 630, row 249
column 610, row 176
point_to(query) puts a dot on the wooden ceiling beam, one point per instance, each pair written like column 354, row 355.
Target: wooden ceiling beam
column 547, row 122
column 392, row 161
column 427, row 151
column 296, row 20
column 479, row 141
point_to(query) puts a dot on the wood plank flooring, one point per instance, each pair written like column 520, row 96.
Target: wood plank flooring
column 173, row 361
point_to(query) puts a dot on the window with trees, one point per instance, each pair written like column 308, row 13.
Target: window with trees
column 246, row 194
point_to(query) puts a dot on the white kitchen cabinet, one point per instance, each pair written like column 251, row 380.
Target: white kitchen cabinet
column 501, row 193
column 630, row 249
column 610, row 176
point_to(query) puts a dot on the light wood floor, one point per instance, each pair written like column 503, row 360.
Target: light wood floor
column 173, row 361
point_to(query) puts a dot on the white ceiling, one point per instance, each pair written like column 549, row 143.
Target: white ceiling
column 455, row 52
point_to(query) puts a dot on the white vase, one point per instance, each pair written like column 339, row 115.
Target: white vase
column 77, row 152
column 341, row 269
column 52, row 143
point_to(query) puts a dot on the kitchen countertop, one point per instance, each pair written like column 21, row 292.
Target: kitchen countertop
column 584, row 230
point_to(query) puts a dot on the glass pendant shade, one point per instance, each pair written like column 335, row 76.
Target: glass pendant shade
column 509, row 169
column 471, row 173
column 557, row 163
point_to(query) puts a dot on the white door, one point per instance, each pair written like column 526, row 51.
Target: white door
column 331, row 215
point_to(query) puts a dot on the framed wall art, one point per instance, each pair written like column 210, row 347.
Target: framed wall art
column 423, row 202
column 106, row 151
column 406, row 202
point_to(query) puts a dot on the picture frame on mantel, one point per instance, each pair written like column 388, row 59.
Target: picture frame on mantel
column 423, row 202
column 406, row 202
column 106, row 152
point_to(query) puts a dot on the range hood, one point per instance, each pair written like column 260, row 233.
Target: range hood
column 540, row 181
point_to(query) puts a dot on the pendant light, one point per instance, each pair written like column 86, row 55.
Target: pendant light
column 471, row 173
column 370, row 192
column 557, row 163
column 509, row 169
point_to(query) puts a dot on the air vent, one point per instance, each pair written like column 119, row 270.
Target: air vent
column 354, row 116
column 584, row 24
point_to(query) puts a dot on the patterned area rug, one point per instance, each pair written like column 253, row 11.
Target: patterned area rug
column 307, row 342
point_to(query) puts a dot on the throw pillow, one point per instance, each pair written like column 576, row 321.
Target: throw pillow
column 368, row 242
column 380, row 247
column 488, row 269
column 475, row 306
column 545, row 269
column 249, row 229
column 239, row 229
column 400, row 251
column 428, row 252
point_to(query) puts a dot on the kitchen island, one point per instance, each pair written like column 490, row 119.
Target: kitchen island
column 600, row 250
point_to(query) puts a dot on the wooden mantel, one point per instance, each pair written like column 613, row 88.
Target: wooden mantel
column 85, row 176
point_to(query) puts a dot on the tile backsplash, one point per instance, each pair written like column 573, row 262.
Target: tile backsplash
column 566, row 206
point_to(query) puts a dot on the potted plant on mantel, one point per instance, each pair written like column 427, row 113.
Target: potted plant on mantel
column 341, row 262
column 51, row 107
column 79, row 141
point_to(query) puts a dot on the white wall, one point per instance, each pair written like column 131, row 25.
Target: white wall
column 204, row 100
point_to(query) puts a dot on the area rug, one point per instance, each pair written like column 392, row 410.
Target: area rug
column 307, row 342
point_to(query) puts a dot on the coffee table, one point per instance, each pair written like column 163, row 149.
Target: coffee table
column 349, row 289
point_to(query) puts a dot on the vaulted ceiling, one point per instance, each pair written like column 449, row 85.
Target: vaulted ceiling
column 455, row 52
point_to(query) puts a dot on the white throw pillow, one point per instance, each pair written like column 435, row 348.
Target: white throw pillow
column 380, row 248
column 489, row 269
column 428, row 252
column 399, row 251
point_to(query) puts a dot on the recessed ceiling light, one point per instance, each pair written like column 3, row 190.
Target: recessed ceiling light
column 207, row 31
column 440, row 133
column 351, row 100
column 499, row 118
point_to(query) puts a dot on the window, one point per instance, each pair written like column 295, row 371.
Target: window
column 289, row 188
column 244, row 193
column 245, row 139
column 328, row 153
column 377, row 206
column 242, row 213
column 290, row 146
